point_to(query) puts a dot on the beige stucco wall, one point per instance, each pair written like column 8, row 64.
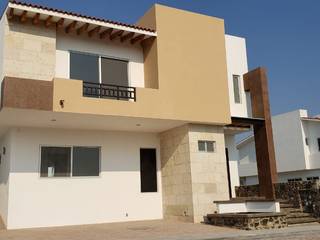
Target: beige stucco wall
column 191, row 62
column 192, row 180
column 185, row 73
column 29, row 51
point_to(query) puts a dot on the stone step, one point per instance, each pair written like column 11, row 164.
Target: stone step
column 299, row 215
column 291, row 210
column 286, row 205
column 283, row 201
column 291, row 221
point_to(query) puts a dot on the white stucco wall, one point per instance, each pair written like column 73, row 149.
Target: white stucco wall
column 237, row 65
column 36, row 202
column 294, row 157
column 289, row 141
column 247, row 158
column 106, row 48
column 285, row 176
column 5, row 142
column 233, row 161
column 312, row 132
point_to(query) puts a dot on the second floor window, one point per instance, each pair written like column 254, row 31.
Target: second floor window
column 97, row 69
column 236, row 88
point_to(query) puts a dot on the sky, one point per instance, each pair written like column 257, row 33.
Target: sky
column 282, row 36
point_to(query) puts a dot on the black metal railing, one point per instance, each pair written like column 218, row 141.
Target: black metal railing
column 101, row 90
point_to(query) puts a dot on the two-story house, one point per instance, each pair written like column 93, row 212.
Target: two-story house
column 297, row 149
column 103, row 121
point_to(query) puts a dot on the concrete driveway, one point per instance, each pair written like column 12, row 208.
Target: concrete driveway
column 159, row 230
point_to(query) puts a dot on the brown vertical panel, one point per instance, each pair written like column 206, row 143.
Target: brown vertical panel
column 256, row 82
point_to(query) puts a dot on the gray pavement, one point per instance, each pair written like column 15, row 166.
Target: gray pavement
column 158, row 230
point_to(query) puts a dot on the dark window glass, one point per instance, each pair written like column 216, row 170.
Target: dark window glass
column 84, row 67
column 319, row 144
column 202, row 146
column 86, row 161
column 55, row 161
column 148, row 170
column 114, row 72
column 307, row 141
column 206, row 146
column 210, row 146
column 236, row 88
column 312, row 178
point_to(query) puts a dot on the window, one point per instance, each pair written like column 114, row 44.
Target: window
column 97, row 69
column 312, row 178
column 318, row 144
column 206, row 146
column 70, row 161
column 307, row 141
column 148, row 170
column 242, row 181
column 84, row 67
column 236, row 88
column 294, row 179
column 114, row 72
column 55, row 162
column 86, row 161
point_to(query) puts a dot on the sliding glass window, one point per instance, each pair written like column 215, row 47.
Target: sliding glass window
column 97, row 69
column 84, row 67
column 114, row 71
column 69, row 161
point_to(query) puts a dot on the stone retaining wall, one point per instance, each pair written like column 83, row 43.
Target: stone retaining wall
column 255, row 221
column 303, row 194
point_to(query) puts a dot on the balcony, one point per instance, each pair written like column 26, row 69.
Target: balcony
column 109, row 91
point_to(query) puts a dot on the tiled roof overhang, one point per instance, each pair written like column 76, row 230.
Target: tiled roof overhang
column 74, row 21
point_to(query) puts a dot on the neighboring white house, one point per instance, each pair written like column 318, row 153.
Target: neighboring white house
column 297, row 149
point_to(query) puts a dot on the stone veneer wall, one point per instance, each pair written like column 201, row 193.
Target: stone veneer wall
column 255, row 221
column 192, row 180
column 176, row 173
column 29, row 51
column 303, row 194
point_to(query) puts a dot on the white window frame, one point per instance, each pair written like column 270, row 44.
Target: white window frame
column 71, row 161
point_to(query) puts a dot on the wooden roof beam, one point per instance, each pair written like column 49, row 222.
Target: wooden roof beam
column 83, row 28
column 11, row 14
column 23, row 17
column 93, row 31
column 48, row 21
column 105, row 33
column 137, row 38
column 35, row 19
column 116, row 34
column 60, row 22
column 127, row 36
column 71, row 26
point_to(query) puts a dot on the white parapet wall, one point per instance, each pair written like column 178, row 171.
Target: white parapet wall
column 248, row 207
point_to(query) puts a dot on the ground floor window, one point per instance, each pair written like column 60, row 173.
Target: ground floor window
column 69, row 161
column 294, row 179
column 148, row 170
column 312, row 178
